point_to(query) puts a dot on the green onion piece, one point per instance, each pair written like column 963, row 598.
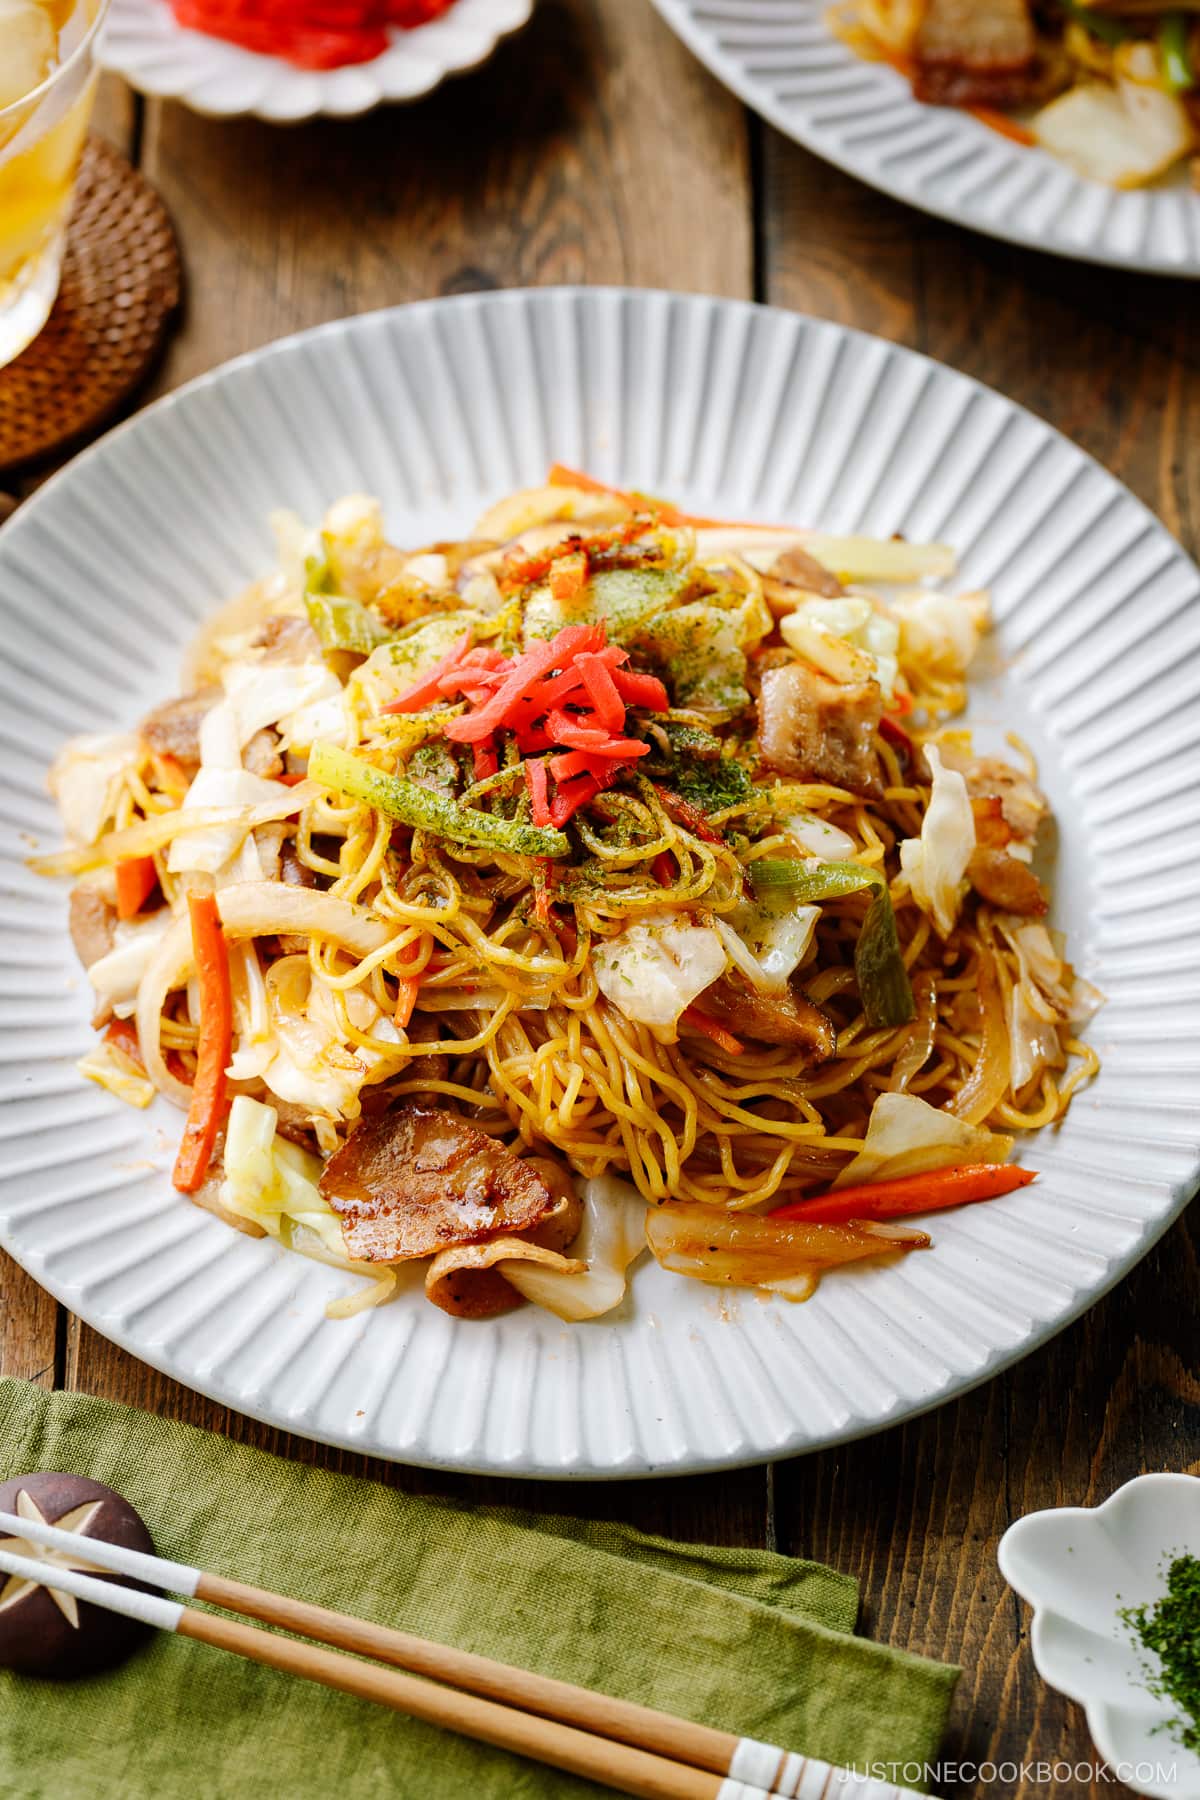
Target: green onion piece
column 883, row 984
column 1109, row 31
column 1174, row 47
column 411, row 805
column 810, row 881
column 345, row 624
column 318, row 576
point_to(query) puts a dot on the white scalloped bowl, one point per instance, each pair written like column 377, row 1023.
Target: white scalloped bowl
column 143, row 43
column 1079, row 1567
column 781, row 58
column 439, row 408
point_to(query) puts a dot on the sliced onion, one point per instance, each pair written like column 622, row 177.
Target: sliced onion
column 265, row 908
column 988, row 1082
column 150, row 835
column 710, row 1244
column 918, row 1046
column 167, row 970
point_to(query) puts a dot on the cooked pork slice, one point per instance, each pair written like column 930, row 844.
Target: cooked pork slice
column 990, row 779
column 293, row 1122
column 291, row 870
column 92, row 923
column 798, row 569
column 261, row 755
column 820, row 730
column 174, row 729
column 976, row 53
column 1005, row 882
column 412, row 1182
column 783, row 1018
column 462, row 1282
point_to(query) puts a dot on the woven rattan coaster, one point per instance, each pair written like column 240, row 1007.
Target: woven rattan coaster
column 120, row 286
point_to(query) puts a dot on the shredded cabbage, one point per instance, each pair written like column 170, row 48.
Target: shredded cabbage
column 84, row 779
column 654, row 970
column 1123, row 134
column 267, row 1179
column 116, row 977
column 935, row 864
column 211, row 847
column 610, row 1240
column 941, row 631
column 848, row 639
column 110, row 1068
column 906, row 1136
column 773, row 936
column 702, row 650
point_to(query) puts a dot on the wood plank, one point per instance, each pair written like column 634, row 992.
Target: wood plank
column 563, row 160
column 28, row 1326
column 1111, row 360
column 29, row 1321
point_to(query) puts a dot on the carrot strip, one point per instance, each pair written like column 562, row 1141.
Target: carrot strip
column 934, row 1191
column 137, row 878
column 406, row 1000
column 724, row 1040
column 1008, row 128
column 568, row 575
column 207, row 1111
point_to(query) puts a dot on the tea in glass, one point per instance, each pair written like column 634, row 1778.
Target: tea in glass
column 47, row 84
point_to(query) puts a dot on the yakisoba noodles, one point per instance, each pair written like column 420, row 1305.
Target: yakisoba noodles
column 610, row 876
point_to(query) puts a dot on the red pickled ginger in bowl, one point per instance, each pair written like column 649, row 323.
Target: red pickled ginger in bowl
column 313, row 34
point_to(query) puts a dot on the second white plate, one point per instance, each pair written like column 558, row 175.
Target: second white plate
column 740, row 411
column 780, row 58
column 142, row 42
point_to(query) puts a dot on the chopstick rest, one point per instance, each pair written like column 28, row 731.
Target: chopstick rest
column 41, row 1630
column 749, row 1769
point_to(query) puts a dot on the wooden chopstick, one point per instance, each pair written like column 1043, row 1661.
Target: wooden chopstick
column 621, row 1722
column 620, row 1766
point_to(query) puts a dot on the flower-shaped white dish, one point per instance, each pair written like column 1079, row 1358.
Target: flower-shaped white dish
column 1081, row 1568
column 143, row 43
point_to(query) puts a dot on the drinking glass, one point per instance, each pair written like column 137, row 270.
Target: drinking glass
column 41, row 140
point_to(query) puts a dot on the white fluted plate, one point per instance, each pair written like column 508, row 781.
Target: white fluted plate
column 142, row 42
column 737, row 410
column 780, row 57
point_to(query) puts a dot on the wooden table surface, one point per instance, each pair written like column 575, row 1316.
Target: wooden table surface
column 595, row 149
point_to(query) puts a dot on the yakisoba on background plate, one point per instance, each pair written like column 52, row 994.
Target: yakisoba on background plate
column 781, row 58
column 143, row 42
column 733, row 409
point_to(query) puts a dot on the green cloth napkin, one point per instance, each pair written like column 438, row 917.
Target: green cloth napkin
column 757, row 1643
